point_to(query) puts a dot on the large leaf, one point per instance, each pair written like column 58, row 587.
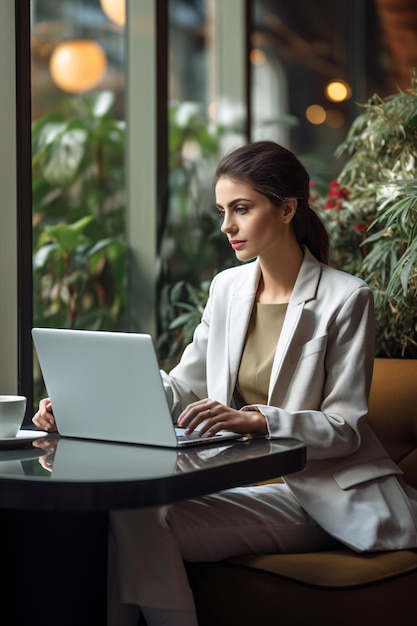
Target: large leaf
column 42, row 256
column 63, row 158
column 68, row 236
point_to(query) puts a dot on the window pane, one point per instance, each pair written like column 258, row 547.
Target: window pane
column 300, row 49
column 78, row 168
column 203, row 122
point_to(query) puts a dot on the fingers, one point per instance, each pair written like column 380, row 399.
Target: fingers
column 207, row 416
column 44, row 418
column 199, row 413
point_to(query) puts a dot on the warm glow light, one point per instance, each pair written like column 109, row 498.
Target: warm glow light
column 77, row 66
column 257, row 56
column 338, row 91
column 115, row 10
column 315, row 114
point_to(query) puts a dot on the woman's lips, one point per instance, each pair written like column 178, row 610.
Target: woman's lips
column 237, row 244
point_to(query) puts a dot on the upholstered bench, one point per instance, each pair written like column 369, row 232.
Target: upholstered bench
column 337, row 587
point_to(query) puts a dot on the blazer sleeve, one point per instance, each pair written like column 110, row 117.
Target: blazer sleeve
column 187, row 381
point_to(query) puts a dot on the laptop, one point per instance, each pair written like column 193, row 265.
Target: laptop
column 107, row 386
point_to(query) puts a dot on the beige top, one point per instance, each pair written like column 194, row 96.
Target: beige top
column 258, row 354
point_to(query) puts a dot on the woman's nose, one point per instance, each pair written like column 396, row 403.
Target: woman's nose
column 227, row 225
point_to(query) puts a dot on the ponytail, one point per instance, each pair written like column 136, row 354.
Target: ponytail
column 310, row 231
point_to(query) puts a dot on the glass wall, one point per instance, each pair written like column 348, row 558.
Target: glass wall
column 123, row 153
column 314, row 64
column 124, row 143
column 206, row 115
column 78, row 165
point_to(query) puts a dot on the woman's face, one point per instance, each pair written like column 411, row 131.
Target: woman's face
column 253, row 225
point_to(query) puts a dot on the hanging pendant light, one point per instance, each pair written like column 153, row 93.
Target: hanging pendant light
column 78, row 65
column 115, row 10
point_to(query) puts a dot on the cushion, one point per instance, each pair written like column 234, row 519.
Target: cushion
column 338, row 568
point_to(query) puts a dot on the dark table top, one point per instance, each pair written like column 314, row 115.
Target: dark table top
column 55, row 473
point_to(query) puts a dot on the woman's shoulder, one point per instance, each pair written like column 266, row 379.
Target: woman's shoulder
column 339, row 277
column 337, row 288
column 318, row 279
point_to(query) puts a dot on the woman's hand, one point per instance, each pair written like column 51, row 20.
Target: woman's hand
column 209, row 416
column 44, row 418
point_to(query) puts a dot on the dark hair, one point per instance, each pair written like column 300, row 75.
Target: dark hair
column 275, row 172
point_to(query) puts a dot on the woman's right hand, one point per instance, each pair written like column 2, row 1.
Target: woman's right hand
column 44, row 418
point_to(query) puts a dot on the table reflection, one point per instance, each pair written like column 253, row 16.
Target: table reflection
column 14, row 462
column 74, row 459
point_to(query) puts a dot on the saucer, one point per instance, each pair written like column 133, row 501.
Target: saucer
column 23, row 438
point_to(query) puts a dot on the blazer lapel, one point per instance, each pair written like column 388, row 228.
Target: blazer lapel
column 305, row 289
column 288, row 329
column 239, row 315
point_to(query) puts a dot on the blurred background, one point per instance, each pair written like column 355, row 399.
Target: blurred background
column 132, row 105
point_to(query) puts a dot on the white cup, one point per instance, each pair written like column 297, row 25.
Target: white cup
column 12, row 412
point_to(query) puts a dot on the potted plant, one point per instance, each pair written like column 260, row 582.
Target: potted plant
column 370, row 212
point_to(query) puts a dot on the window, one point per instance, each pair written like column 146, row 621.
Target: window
column 124, row 236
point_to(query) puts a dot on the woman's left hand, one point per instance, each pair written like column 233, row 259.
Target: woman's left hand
column 209, row 416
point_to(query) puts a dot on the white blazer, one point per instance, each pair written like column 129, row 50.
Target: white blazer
column 318, row 393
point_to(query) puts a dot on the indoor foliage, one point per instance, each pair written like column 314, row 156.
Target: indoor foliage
column 191, row 247
column 370, row 212
column 79, row 260
column 80, row 252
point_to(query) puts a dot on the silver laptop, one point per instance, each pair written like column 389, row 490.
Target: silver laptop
column 107, row 386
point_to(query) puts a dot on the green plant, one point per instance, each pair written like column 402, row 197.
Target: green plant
column 181, row 308
column 78, row 216
column 79, row 250
column 371, row 215
column 192, row 247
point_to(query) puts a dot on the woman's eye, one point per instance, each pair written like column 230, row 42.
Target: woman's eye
column 220, row 212
column 241, row 210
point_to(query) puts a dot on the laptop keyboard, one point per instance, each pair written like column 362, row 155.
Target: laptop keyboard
column 195, row 435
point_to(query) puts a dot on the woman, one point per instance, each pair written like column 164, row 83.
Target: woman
column 285, row 348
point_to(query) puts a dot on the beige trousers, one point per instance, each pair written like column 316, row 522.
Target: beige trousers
column 148, row 546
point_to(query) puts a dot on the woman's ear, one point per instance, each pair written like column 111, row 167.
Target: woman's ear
column 289, row 209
